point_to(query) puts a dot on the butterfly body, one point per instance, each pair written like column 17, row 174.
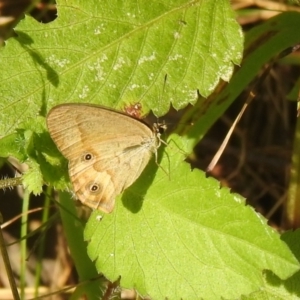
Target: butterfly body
column 107, row 150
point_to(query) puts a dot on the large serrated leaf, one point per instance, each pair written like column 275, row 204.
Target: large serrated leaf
column 185, row 238
column 112, row 53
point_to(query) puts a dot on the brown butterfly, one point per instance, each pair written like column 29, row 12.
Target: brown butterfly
column 107, row 150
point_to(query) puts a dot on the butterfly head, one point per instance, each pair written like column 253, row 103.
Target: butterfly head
column 159, row 128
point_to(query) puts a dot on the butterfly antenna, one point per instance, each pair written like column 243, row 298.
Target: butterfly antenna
column 159, row 129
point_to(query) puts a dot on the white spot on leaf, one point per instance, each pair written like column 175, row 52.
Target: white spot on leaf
column 60, row 62
column 84, row 92
column 119, row 63
column 134, row 86
column 98, row 68
column 177, row 35
column 147, row 58
column 175, row 57
column 99, row 29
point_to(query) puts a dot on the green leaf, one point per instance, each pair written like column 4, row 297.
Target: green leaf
column 274, row 287
column 13, row 145
column 33, row 179
column 118, row 53
column 262, row 44
column 184, row 237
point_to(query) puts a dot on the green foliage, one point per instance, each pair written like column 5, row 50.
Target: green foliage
column 185, row 237
column 175, row 235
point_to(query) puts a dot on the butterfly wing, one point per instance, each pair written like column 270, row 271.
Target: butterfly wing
column 107, row 150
